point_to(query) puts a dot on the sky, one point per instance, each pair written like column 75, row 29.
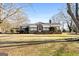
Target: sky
column 41, row 12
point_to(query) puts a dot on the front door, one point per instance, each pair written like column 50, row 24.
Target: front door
column 39, row 28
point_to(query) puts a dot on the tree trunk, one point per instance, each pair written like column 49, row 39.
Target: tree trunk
column 73, row 16
column 76, row 11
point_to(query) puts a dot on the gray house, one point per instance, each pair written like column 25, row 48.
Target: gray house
column 44, row 27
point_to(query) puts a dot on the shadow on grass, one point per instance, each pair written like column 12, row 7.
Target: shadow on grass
column 24, row 43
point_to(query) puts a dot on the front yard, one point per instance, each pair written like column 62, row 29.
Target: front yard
column 35, row 37
column 31, row 44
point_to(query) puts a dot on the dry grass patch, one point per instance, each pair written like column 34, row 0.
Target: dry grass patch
column 49, row 49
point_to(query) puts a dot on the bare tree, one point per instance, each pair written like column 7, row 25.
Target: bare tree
column 20, row 19
column 74, row 17
column 10, row 13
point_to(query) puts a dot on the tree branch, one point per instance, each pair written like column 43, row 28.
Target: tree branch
column 8, row 15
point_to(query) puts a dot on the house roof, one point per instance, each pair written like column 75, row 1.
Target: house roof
column 45, row 23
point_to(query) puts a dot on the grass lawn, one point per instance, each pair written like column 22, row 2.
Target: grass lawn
column 34, row 37
column 48, row 49
column 43, row 49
